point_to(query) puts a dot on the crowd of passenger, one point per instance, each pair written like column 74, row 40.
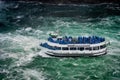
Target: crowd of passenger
column 78, row 40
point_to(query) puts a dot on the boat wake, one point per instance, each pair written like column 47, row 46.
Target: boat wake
column 22, row 50
column 42, row 54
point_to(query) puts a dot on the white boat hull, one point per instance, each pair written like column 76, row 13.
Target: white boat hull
column 60, row 53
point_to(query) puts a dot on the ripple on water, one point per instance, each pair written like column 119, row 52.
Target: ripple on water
column 19, row 47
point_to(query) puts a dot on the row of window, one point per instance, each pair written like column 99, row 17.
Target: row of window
column 82, row 48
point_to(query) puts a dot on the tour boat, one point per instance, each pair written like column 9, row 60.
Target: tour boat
column 68, row 46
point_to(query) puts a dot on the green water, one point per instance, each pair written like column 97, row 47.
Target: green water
column 24, row 25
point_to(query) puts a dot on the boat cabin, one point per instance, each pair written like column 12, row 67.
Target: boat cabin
column 81, row 43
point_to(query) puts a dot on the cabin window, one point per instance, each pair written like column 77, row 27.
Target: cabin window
column 81, row 48
column 96, row 48
column 73, row 48
column 103, row 46
column 64, row 48
column 89, row 48
column 57, row 48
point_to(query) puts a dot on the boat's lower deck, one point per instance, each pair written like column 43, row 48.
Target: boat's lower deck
column 76, row 53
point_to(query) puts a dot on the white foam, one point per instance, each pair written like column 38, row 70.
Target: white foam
column 42, row 54
column 60, row 23
column 113, row 48
column 75, row 64
column 118, row 34
column 28, row 73
column 19, row 16
column 38, row 31
column 27, row 43
column 28, row 29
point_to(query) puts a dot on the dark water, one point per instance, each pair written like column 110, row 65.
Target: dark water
column 24, row 25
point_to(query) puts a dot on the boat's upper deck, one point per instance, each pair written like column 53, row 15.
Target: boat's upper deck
column 78, row 40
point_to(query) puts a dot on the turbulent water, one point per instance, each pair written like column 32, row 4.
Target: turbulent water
column 23, row 25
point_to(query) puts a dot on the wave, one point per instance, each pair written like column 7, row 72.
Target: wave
column 29, row 73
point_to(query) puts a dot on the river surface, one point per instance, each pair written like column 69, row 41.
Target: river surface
column 23, row 25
